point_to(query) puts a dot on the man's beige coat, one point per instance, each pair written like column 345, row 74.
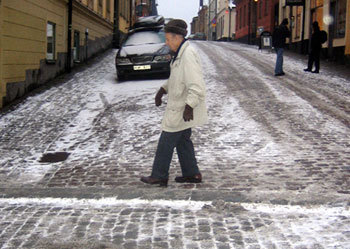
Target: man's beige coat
column 185, row 86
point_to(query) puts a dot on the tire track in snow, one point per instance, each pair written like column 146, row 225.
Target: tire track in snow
column 326, row 101
column 254, row 96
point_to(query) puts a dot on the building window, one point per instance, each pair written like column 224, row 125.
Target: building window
column 76, row 47
column 340, row 19
column 127, row 13
column 99, row 7
column 260, row 9
column 51, row 40
column 266, row 8
column 298, row 22
column 316, row 3
column 244, row 16
column 91, row 4
column 122, row 4
column 240, row 18
column 108, row 9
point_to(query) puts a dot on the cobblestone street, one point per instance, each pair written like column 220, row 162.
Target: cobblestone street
column 275, row 160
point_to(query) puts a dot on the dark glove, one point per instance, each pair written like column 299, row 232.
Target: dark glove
column 188, row 113
column 159, row 96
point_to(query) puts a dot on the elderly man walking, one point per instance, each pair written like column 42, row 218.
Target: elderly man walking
column 185, row 109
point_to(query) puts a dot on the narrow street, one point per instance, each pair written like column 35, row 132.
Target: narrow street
column 275, row 160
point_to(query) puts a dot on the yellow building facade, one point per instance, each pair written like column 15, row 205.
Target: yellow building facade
column 34, row 39
column 126, row 15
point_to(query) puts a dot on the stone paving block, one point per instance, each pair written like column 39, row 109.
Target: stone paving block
column 95, row 225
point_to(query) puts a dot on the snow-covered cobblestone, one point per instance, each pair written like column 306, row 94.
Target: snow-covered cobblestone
column 110, row 223
column 281, row 143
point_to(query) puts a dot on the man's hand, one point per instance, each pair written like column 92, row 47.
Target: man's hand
column 159, row 96
column 188, row 113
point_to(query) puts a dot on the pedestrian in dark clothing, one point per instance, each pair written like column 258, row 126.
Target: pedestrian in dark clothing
column 316, row 46
column 279, row 42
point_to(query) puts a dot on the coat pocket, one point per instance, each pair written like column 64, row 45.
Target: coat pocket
column 173, row 118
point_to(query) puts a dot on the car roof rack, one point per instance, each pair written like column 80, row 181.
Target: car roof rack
column 149, row 21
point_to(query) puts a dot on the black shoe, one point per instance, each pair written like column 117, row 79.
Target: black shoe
column 192, row 179
column 316, row 71
column 307, row 70
column 151, row 180
column 279, row 74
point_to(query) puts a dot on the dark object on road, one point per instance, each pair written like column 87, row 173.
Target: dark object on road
column 144, row 51
column 54, row 157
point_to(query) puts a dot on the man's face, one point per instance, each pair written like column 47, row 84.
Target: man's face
column 173, row 41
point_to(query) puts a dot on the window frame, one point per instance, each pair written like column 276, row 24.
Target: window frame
column 51, row 56
column 266, row 8
column 337, row 24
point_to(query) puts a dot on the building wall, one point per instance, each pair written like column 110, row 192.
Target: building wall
column 266, row 15
column 347, row 35
column 23, row 40
column 2, row 85
column 254, row 17
column 195, row 25
column 225, row 29
column 203, row 20
column 212, row 28
column 242, row 26
column 97, row 27
column 221, row 20
column 125, row 18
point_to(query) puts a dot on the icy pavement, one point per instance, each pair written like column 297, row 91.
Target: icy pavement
column 275, row 158
column 110, row 223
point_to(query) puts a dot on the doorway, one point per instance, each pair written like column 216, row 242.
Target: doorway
column 76, row 48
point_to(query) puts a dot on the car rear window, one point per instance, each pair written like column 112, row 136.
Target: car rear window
column 146, row 37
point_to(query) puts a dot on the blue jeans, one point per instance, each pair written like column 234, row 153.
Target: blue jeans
column 279, row 61
column 182, row 142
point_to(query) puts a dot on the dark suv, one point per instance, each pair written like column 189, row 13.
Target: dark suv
column 144, row 51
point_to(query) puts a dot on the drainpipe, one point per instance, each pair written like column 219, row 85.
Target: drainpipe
column 69, row 37
column 249, row 20
column 116, row 25
column 131, row 15
column 303, row 31
column 216, row 19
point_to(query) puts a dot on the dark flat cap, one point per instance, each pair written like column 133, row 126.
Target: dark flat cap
column 176, row 26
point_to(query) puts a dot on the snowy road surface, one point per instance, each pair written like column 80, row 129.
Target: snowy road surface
column 283, row 142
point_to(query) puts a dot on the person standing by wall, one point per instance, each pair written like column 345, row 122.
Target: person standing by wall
column 316, row 46
column 185, row 109
column 280, row 34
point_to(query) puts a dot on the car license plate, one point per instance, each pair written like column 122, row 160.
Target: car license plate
column 143, row 67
